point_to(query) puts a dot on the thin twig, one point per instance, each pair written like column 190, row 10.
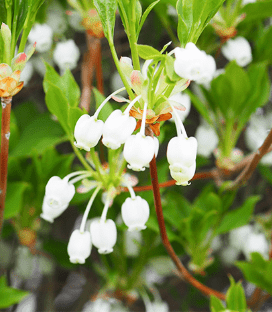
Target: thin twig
column 251, row 166
column 183, row 271
column 211, row 174
column 5, row 134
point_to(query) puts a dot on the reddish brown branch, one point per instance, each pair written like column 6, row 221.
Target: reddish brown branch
column 183, row 271
column 98, row 68
column 91, row 61
column 5, row 134
column 251, row 166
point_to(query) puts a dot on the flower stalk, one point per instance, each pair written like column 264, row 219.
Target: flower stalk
column 181, row 269
column 5, row 135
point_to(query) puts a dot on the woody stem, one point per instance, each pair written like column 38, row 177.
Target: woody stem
column 5, row 134
column 181, row 269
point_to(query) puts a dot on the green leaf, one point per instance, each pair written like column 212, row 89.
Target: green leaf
column 66, row 84
column 106, row 110
column 107, row 10
column 144, row 16
column 266, row 173
column 170, row 72
column 25, row 113
column 58, row 105
column 216, row 304
column 8, row 295
column 258, row 271
column 235, row 297
column 257, row 11
column 14, row 198
column 201, row 107
column 263, row 46
column 38, row 135
column 193, row 16
column 240, row 85
column 72, row 91
column 148, row 53
column 238, row 217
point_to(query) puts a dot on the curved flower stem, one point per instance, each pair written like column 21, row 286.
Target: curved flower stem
column 5, row 134
column 81, row 158
column 89, row 205
column 181, row 269
column 116, row 61
column 98, row 67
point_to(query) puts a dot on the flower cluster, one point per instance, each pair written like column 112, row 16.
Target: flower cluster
column 102, row 232
column 139, row 150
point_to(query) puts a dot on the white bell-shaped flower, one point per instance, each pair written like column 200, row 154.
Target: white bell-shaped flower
column 58, row 194
column 237, row 237
column 207, row 140
column 104, row 235
column 194, row 64
column 135, row 213
column 118, row 127
column 42, row 34
column 139, row 151
column 238, row 49
column 51, row 212
column 87, row 132
column 256, row 242
column 79, row 246
column 66, row 55
column 182, row 174
column 181, row 151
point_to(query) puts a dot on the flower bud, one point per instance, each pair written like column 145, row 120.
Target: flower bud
column 194, row 64
column 87, row 132
column 139, row 151
column 66, row 55
column 181, row 151
column 182, row 174
column 104, row 235
column 42, row 34
column 135, row 213
column 238, row 49
column 79, row 246
column 118, row 127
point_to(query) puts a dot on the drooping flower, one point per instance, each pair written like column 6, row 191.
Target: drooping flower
column 58, row 194
column 181, row 155
column 79, row 246
column 194, row 64
column 66, row 55
column 118, row 127
column 256, row 242
column 238, row 49
column 87, row 132
column 104, row 235
column 207, row 140
column 135, row 213
column 139, row 151
column 42, row 34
